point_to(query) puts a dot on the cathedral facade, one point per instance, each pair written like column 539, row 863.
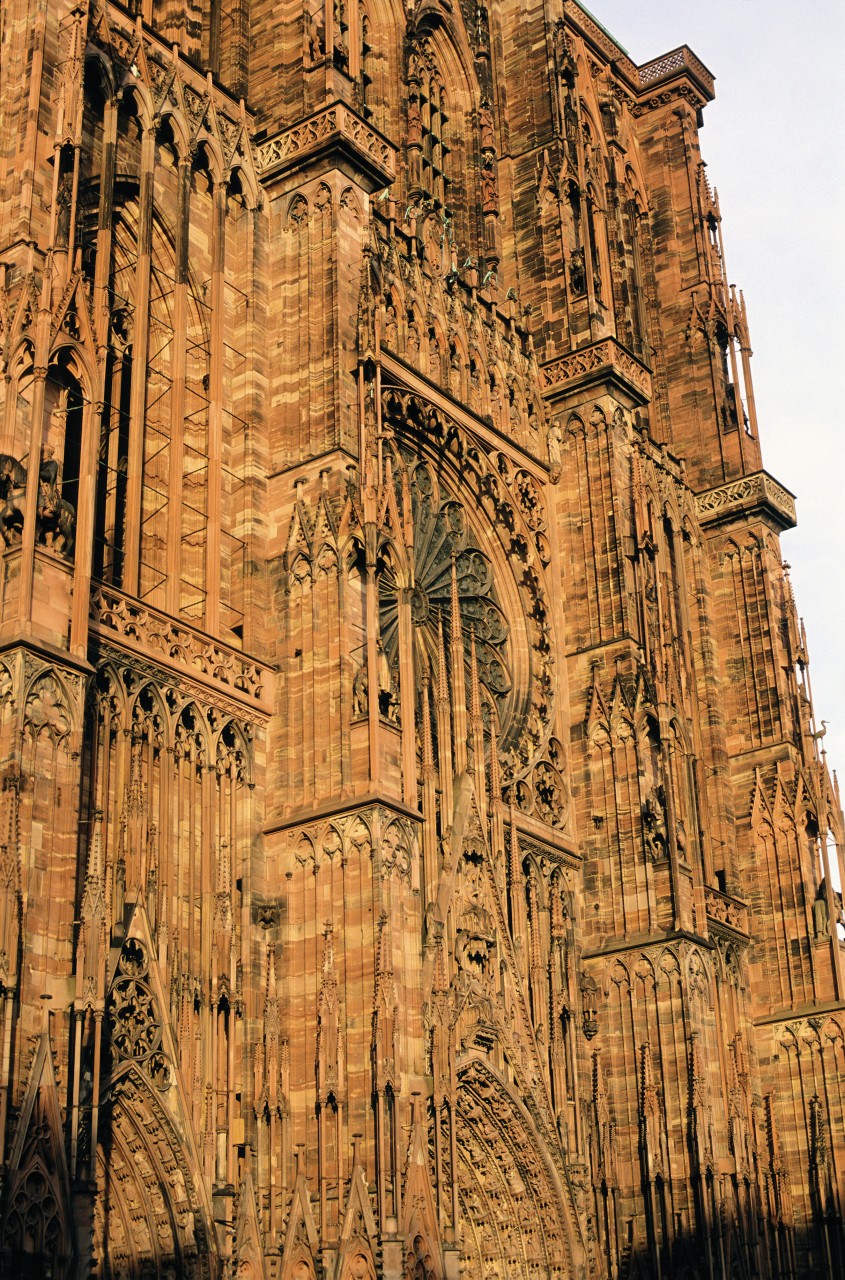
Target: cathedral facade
column 417, row 859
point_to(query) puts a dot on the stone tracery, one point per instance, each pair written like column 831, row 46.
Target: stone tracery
column 445, row 550
column 410, row 882
column 516, row 564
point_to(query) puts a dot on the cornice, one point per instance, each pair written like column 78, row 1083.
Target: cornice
column 305, row 816
column 670, row 69
column 146, row 633
column 756, row 494
column 325, row 139
column 587, row 368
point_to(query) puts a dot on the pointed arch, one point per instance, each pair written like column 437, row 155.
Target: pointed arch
column 149, row 1205
column 504, row 1158
column 37, row 1228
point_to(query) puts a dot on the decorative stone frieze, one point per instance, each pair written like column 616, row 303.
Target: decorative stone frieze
column 583, row 370
column 754, row 494
column 146, row 631
column 334, row 128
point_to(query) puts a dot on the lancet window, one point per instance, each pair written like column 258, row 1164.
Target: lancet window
column 435, row 149
column 427, row 136
column 164, row 237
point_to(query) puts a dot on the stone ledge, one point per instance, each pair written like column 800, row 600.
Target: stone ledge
column 758, row 493
column 588, row 366
column 335, row 128
column 680, row 61
column 154, row 635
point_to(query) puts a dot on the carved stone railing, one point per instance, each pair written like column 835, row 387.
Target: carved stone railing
column 682, row 59
column 651, row 73
column 726, row 910
column 333, row 126
column 593, row 364
column 157, row 637
column 755, row 493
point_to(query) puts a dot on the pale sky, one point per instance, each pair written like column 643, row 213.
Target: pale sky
column 772, row 145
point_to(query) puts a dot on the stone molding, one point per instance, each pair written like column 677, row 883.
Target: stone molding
column 589, row 365
column 148, row 632
column 758, row 491
column 726, row 910
column 334, row 126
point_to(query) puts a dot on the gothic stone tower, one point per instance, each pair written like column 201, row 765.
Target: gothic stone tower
column 415, row 856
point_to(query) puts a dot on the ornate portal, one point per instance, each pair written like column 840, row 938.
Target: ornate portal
column 418, row 859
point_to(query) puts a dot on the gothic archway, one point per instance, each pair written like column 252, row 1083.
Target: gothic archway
column 518, row 1219
column 147, row 1215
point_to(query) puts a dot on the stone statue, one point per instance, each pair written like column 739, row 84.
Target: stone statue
column 360, row 693
column 577, row 273
column 555, row 460
column 654, row 824
column 681, row 839
column 489, row 188
column 391, row 328
column 414, row 121
column 12, row 496
column 316, row 38
column 488, row 139
column 821, row 915
column 56, row 517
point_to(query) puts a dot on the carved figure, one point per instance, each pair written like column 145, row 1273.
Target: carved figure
column 391, row 328
column 64, row 201
column 577, row 273
column 589, row 1005
column 475, row 387
column 654, row 824
column 58, row 524
column 681, row 839
column 434, row 360
column 555, row 461
column 414, row 121
column 488, row 138
column 454, row 370
column 56, row 517
column 360, row 694
column 386, row 699
column 821, row 915
column 316, row 38
column 489, row 187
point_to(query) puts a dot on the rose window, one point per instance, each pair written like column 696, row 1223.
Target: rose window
column 442, row 537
